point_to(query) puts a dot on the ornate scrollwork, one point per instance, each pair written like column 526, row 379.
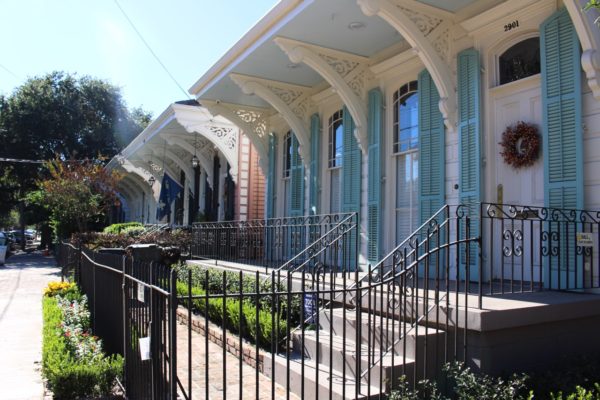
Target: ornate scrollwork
column 514, row 239
column 341, row 66
column 425, row 23
column 550, row 243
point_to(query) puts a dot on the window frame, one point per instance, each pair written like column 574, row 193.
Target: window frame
column 405, row 91
column 510, row 46
column 286, row 167
column 334, row 122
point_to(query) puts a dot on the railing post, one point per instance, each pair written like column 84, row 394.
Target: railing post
column 480, row 245
column 125, row 330
column 173, row 333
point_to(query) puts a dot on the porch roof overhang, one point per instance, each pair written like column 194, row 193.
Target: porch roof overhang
column 182, row 130
column 349, row 35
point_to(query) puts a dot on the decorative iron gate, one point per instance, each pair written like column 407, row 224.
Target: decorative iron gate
column 133, row 309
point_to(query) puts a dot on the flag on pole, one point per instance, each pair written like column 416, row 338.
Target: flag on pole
column 169, row 190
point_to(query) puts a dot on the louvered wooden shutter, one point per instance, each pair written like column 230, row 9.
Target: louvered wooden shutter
column 374, row 189
column 562, row 141
column 561, row 97
column 351, row 165
column 297, row 181
column 469, row 92
column 315, row 170
column 431, row 149
column 351, row 180
column 270, row 209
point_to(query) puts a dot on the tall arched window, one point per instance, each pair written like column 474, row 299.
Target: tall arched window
column 406, row 154
column 335, row 129
column 520, row 61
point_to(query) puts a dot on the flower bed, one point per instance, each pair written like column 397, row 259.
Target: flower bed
column 72, row 358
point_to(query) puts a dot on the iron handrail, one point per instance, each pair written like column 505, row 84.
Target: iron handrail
column 323, row 241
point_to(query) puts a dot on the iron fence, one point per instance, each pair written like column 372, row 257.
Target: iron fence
column 130, row 301
column 313, row 331
column 528, row 248
column 263, row 242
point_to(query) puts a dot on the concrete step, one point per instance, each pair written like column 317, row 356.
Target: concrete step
column 379, row 332
column 319, row 380
column 332, row 351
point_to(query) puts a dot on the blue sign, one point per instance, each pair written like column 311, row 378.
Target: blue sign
column 310, row 308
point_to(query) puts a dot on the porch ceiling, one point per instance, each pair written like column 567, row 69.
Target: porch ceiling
column 325, row 23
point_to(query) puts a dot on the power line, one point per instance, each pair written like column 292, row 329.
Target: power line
column 9, row 71
column 150, row 50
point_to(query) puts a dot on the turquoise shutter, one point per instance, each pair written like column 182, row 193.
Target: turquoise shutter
column 375, row 158
column 432, row 160
column 351, row 166
column 562, row 141
column 561, row 99
column 270, row 209
column 315, row 170
column 469, row 136
column 351, row 179
column 297, row 181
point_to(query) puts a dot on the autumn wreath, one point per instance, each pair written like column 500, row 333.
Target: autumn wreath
column 520, row 145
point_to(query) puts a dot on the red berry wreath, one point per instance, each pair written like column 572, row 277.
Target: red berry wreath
column 520, row 145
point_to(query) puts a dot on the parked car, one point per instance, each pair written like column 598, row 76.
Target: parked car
column 4, row 248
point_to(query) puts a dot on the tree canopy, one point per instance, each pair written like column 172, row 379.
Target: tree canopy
column 77, row 193
column 65, row 116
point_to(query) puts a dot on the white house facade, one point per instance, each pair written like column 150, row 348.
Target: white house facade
column 394, row 108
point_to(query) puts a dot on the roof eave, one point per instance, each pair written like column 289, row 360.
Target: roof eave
column 279, row 15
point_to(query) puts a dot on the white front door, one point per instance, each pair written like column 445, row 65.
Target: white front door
column 516, row 101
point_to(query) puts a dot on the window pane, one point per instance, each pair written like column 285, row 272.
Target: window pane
column 520, row 61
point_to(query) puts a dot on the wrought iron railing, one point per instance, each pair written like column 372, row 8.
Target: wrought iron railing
column 335, row 331
column 264, row 242
column 527, row 248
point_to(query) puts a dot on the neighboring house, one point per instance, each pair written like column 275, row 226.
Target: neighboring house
column 214, row 164
column 391, row 110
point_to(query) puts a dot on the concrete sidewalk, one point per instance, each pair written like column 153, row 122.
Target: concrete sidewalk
column 22, row 281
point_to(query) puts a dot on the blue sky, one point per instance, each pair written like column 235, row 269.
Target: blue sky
column 93, row 38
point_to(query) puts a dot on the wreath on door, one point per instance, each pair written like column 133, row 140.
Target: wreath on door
column 520, row 145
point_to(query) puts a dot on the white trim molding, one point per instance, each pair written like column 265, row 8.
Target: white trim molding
column 429, row 36
column 251, row 120
column 288, row 100
column 347, row 74
column 589, row 36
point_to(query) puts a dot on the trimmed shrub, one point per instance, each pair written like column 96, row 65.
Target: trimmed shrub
column 233, row 319
column 74, row 368
column 117, row 228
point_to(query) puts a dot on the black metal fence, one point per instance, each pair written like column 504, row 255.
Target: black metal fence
column 321, row 332
column 131, row 304
column 316, row 326
column 266, row 242
column 528, row 248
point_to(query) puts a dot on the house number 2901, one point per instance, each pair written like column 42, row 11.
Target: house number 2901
column 512, row 25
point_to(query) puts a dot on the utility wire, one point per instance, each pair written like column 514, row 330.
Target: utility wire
column 150, row 50
column 9, row 71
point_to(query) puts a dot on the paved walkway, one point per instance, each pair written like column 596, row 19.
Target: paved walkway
column 220, row 386
column 22, row 280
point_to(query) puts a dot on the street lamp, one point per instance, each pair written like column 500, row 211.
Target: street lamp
column 151, row 181
column 195, row 161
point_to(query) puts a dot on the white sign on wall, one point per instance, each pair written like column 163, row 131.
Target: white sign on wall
column 585, row 239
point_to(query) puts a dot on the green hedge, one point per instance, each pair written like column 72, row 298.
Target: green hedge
column 117, row 228
column 217, row 281
column 243, row 324
column 67, row 377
